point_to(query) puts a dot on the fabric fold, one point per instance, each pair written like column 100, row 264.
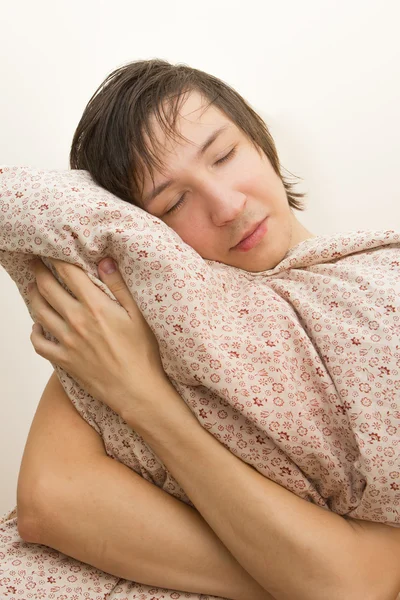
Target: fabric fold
column 295, row 370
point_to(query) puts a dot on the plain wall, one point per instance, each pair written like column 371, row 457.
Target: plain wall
column 324, row 76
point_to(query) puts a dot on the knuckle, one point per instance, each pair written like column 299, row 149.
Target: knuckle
column 68, row 341
column 68, row 336
column 99, row 310
column 40, row 314
column 70, row 316
column 61, row 268
column 36, row 345
column 118, row 286
column 43, row 287
column 80, row 326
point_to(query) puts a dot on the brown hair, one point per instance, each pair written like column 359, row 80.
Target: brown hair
column 109, row 141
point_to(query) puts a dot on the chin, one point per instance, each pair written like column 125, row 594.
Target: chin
column 269, row 258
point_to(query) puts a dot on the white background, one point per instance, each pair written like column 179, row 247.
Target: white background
column 323, row 74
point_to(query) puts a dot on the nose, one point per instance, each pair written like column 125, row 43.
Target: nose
column 225, row 204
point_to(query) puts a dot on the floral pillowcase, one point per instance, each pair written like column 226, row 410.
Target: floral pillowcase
column 254, row 355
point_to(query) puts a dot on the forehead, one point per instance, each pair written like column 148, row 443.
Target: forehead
column 196, row 118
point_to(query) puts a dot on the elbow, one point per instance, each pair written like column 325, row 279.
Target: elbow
column 28, row 519
column 28, row 527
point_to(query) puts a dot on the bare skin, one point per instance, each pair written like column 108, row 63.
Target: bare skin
column 265, row 527
column 221, row 199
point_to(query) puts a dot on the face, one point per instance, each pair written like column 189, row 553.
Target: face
column 213, row 197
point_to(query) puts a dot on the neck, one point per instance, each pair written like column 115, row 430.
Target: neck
column 299, row 233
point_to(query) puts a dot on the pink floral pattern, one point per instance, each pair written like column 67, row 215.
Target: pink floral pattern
column 295, row 370
column 36, row 572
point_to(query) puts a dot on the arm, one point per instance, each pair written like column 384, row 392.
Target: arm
column 74, row 498
column 293, row 548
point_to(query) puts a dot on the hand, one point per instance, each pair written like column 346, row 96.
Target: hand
column 108, row 349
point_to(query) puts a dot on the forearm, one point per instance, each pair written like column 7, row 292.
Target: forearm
column 108, row 516
column 293, row 548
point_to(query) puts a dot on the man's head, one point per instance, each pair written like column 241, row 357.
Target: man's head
column 147, row 126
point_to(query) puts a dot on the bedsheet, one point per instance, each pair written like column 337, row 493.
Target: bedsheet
column 36, row 572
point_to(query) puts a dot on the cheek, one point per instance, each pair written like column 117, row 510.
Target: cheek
column 194, row 236
column 255, row 183
column 253, row 172
column 266, row 182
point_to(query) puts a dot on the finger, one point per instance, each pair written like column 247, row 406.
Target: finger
column 114, row 281
column 77, row 281
column 47, row 349
column 50, row 288
column 44, row 314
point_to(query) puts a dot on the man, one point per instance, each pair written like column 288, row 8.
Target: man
column 218, row 173
column 187, row 149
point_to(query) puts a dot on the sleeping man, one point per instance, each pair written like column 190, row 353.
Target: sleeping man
column 188, row 150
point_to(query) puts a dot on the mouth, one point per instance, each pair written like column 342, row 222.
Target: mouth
column 253, row 236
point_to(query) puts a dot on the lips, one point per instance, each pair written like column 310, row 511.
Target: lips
column 249, row 231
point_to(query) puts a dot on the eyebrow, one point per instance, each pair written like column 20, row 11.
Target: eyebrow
column 163, row 186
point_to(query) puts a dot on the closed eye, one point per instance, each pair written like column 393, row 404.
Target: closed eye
column 181, row 200
column 227, row 156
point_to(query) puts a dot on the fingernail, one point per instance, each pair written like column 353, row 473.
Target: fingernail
column 108, row 266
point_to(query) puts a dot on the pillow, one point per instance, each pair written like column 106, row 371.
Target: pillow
column 295, row 370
